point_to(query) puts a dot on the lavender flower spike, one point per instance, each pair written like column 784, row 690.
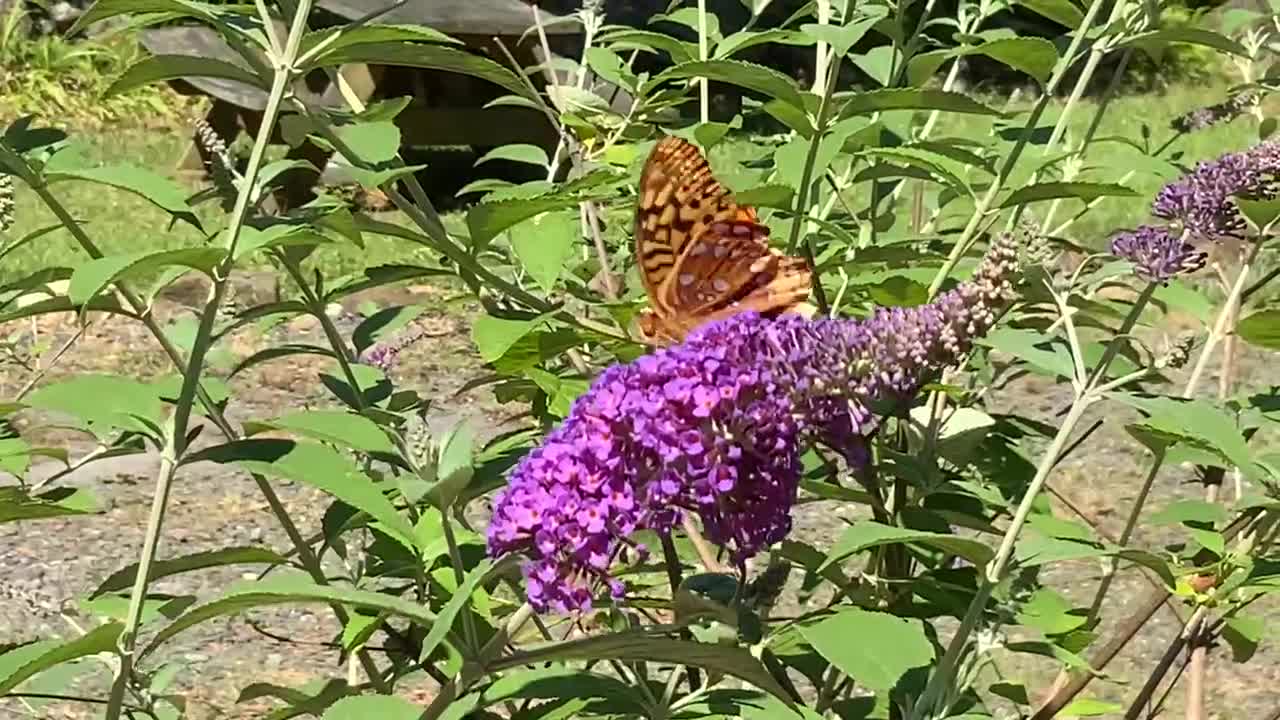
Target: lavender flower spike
column 1156, row 254
column 1225, row 111
column 715, row 426
column 1200, row 202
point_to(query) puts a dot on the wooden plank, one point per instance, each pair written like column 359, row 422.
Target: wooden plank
column 474, row 126
column 490, row 17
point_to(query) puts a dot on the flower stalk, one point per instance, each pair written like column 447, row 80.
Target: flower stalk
column 176, row 442
column 943, row 676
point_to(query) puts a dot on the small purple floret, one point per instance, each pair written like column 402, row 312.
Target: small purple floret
column 1156, row 253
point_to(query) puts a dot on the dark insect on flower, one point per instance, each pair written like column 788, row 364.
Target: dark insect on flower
column 1225, row 111
column 1156, row 253
column 1201, row 201
column 715, row 426
column 6, row 203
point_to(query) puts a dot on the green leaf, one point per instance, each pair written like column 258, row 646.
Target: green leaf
column 1195, row 422
column 1190, row 510
column 627, row 39
column 28, row 660
column 638, row 645
column 455, row 466
column 179, row 8
column 865, row 103
column 1188, row 36
column 289, row 589
column 339, row 427
column 372, row 142
column 734, row 72
column 864, row 534
column 162, row 68
column 1035, row 549
column 546, row 683
column 843, row 37
column 1048, row 612
column 444, row 621
column 518, row 152
column 123, row 578
column 573, row 99
column 277, row 352
column 486, row 220
column 429, row 57
column 743, row 39
column 1262, row 214
column 1063, row 12
column 940, row 166
column 1031, row 55
column 774, row 196
column 155, row 189
column 109, row 400
column 1083, row 191
column 1243, row 633
column 383, row 324
column 1025, row 345
column 879, row 62
column 17, row 504
column 874, row 648
column 544, row 244
column 1261, row 328
column 1087, row 707
column 365, row 707
column 91, row 278
column 495, row 336
column 371, row 33
column 318, row 466
column 1209, row 540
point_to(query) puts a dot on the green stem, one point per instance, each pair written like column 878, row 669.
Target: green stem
column 306, row 557
column 176, row 443
column 969, row 234
column 1130, row 524
column 459, row 574
column 473, row 671
column 941, row 680
column 801, row 212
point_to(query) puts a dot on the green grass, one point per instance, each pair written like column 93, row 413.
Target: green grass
column 121, row 222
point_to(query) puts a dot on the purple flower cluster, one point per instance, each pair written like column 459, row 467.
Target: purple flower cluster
column 1156, row 253
column 715, row 426
column 1200, row 204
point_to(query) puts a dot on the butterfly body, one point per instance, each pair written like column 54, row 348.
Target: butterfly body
column 704, row 257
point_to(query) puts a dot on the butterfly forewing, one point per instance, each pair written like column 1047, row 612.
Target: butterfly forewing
column 703, row 257
column 679, row 200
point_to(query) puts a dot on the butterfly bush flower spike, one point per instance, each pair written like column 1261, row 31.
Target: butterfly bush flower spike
column 1225, row 111
column 1200, row 202
column 1156, row 253
column 715, row 426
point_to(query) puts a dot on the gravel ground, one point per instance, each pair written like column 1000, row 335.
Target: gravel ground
column 44, row 565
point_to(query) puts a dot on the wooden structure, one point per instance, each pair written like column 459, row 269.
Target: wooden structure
column 447, row 108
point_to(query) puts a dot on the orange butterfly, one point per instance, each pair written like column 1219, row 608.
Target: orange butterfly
column 703, row 256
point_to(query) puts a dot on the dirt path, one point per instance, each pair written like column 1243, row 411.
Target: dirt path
column 46, row 564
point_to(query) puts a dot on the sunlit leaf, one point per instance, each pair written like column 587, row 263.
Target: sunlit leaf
column 123, row 578
column 315, row 465
column 28, row 660
column 847, row 638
